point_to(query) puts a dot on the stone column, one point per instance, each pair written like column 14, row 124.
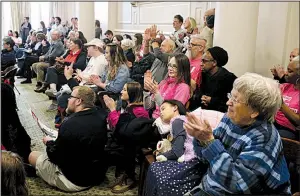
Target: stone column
column 235, row 31
column 86, row 19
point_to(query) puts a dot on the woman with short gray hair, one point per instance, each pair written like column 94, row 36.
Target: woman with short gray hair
column 244, row 152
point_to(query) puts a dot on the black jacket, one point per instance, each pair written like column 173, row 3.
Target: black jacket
column 79, row 148
column 41, row 50
column 80, row 62
column 8, row 58
column 216, row 86
column 139, row 68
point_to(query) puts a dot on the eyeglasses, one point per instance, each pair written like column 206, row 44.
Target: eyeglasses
column 229, row 96
column 173, row 66
column 71, row 96
column 196, row 45
column 206, row 60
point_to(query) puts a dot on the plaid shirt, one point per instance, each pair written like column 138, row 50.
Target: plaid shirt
column 244, row 161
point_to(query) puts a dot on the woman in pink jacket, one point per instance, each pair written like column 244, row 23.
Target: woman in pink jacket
column 176, row 86
column 132, row 93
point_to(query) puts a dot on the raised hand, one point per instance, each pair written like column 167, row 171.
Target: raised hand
column 153, row 31
column 147, row 36
column 95, row 79
column 201, row 130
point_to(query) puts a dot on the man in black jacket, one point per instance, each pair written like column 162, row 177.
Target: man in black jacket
column 75, row 160
column 216, row 81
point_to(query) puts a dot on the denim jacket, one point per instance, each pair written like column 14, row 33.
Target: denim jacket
column 121, row 78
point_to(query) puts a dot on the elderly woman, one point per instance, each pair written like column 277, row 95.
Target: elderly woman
column 244, row 151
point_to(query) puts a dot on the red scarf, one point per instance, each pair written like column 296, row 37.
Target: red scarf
column 72, row 57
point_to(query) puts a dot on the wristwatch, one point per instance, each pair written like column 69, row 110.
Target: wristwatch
column 206, row 143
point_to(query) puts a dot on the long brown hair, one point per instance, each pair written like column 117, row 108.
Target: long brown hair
column 117, row 58
column 13, row 175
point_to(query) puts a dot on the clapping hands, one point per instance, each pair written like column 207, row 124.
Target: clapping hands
column 278, row 71
column 201, row 130
column 109, row 102
column 149, row 83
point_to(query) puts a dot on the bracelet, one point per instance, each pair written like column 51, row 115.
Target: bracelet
column 206, row 143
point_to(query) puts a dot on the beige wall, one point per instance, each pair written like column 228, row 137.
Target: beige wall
column 135, row 19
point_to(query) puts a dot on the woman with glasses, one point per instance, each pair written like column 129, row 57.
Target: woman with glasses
column 216, row 82
column 244, row 151
column 176, row 86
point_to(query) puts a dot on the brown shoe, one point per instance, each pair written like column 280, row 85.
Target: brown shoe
column 117, row 181
column 125, row 185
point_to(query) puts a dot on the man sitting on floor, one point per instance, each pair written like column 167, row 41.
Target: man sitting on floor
column 75, row 160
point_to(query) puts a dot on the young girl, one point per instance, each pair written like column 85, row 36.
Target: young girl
column 178, row 170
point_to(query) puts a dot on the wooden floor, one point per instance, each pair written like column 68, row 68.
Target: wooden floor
column 39, row 103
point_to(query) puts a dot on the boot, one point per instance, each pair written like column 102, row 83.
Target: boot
column 41, row 89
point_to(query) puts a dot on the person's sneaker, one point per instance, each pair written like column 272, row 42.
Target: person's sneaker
column 51, row 93
column 38, row 85
column 125, row 185
column 52, row 107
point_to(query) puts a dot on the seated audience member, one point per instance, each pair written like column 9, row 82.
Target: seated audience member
column 138, row 46
column 109, row 34
column 170, row 175
column 13, row 175
column 10, row 33
column 41, row 48
column 8, row 57
column 117, row 39
column 238, row 165
column 96, row 66
column 216, row 81
column 195, row 52
column 74, row 56
column 75, row 160
column 287, row 118
column 43, row 28
column 56, row 49
column 20, row 52
column 117, row 74
column 127, row 46
column 98, row 30
column 278, row 71
column 176, row 86
column 13, row 135
column 132, row 93
column 79, row 35
column 106, row 41
column 208, row 30
column 162, row 53
column 67, row 40
column 17, row 39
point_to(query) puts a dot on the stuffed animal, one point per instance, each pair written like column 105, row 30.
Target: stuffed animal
column 161, row 147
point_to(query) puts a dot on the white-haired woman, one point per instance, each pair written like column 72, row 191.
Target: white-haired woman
column 245, row 151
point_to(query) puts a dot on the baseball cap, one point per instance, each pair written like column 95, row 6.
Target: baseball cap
column 95, row 42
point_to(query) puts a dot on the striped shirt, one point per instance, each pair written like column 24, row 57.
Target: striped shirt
column 244, row 161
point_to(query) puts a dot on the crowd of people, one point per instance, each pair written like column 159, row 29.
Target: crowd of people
column 117, row 95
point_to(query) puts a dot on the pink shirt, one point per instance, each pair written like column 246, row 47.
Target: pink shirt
column 113, row 117
column 169, row 89
column 196, row 71
column 291, row 99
